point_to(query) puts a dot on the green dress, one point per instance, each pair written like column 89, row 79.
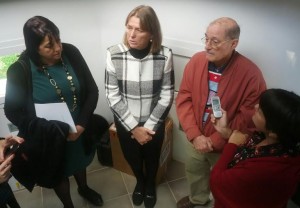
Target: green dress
column 44, row 92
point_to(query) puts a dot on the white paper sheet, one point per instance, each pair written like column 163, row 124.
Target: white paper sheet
column 56, row 111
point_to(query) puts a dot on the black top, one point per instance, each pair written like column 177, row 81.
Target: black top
column 140, row 54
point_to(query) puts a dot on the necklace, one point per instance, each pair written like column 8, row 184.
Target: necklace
column 57, row 88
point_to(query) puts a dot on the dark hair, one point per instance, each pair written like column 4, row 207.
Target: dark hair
column 34, row 31
column 281, row 109
column 150, row 23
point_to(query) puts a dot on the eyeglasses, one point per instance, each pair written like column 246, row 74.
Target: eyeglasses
column 214, row 43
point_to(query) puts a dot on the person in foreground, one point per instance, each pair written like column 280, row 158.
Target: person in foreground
column 139, row 88
column 6, row 195
column 219, row 70
column 49, row 71
column 263, row 169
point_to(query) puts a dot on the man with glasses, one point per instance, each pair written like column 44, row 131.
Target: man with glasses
column 218, row 71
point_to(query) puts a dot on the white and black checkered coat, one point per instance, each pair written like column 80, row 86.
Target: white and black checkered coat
column 139, row 90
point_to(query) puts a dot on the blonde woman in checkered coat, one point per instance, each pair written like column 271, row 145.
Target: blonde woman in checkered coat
column 139, row 86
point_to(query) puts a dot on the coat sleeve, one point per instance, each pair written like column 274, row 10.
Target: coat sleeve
column 184, row 103
column 17, row 107
column 114, row 98
column 224, row 180
column 161, row 110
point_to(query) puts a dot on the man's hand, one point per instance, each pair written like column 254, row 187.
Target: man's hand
column 203, row 144
column 142, row 134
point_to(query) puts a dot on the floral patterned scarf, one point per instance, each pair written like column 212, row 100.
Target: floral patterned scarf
column 249, row 150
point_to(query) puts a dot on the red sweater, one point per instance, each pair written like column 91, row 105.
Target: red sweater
column 254, row 183
column 239, row 89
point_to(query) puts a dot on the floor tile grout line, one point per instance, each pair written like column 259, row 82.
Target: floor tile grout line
column 128, row 194
column 114, row 198
column 99, row 169
column 172, row 192
column 42, row 196
column 123, row 179
column 171, row 181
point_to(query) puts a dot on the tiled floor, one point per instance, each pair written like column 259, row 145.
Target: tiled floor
column 115, row 187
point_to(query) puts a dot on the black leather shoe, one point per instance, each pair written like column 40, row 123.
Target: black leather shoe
column 90, row 195
column 150, row 201
column 137, row 198
column 150, row 194
column 138, row 195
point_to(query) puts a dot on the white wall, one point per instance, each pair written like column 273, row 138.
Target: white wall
column 269, row 32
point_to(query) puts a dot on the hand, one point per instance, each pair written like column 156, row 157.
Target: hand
column 221, row 124
column 142, row 134
column 203, row 144
column 75, row 136
column 238, row 138
column 5, row 169
column 7, row 142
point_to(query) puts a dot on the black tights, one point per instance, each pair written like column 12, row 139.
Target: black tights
column 139, row 156
column 12, row 203
column 7, row 197
column 63, row 189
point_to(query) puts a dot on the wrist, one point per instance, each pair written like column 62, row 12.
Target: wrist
column 133, row 130
column 193, row 139
column 228, row 133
